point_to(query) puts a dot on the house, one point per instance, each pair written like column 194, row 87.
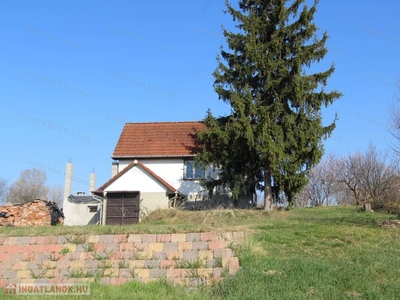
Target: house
column 154, row 168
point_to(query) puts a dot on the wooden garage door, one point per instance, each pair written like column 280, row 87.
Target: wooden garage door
column 122, row 208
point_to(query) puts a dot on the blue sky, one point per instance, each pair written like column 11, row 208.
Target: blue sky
column 73, row 72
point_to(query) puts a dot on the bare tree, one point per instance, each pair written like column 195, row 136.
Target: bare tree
column 301, row 199
column 56, row 194
column 356, row 179
column 321, row 185
column 348, row 172
column 30, row 185
column 377, row 177
column 394, row 127
column 380, row 181
column 343, row 196
column 370, row 178
column 3, row 190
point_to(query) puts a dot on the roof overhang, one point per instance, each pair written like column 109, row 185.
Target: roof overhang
column 152, row 156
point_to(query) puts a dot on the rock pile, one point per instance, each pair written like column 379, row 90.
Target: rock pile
column 35, row 213
column 391, row 223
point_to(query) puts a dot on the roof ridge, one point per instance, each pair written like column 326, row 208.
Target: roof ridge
column 167, row 122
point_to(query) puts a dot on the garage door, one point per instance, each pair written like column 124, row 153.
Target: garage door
column 122, row 208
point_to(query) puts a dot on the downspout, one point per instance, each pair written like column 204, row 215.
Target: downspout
column 100, row 200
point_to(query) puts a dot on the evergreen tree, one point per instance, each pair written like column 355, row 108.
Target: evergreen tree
column 274, row 132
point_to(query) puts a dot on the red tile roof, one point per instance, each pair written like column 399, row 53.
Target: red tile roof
column 158, row 139
column 169, row 187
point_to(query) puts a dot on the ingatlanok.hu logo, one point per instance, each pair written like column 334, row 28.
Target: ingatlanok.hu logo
column 38, row 288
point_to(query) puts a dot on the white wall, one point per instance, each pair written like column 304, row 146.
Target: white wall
column 153, row 194
column 78, row 214
column 152, row 201
column 171, row 170
column 136, row 179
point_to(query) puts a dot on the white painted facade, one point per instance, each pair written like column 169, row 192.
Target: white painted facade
column 136, row 179
column 153, row 193
column 172, row 171
column 78, row 214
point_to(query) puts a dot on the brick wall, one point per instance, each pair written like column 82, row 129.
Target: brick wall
column 188, row 259
column 35, row 213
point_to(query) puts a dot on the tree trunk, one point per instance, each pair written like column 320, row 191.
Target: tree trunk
column 267, row 188
column 367, row 207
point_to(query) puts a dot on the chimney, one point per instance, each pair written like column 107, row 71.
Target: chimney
column 92, row 183
column 68, row 180
column 115, row 168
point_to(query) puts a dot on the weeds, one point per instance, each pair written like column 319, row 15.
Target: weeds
column 150, row 265
column 189, row 264
column 225, row 272
column 218, row 262
column 38, row 274
column 133, row 273
column 64, row 251
column 53, row 257
column 30, row 257
column 48, row 267
column 89, row 247
column 140, row 256
column 104, row 256
column 193, row 273
column 107, row 273
column 80, row 273
column 105, row 264
column 122, row 265
column 76, row 239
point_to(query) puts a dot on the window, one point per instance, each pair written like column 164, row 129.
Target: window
column 191, row 172
column 92, row 208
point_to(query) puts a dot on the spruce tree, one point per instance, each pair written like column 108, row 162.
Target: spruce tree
column 274, row 133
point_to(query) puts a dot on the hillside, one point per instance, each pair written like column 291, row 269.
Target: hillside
column 311, row 253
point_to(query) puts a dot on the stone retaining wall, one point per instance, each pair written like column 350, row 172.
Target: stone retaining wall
column 188, row 259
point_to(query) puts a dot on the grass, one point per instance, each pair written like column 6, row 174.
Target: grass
column 161, row 221
column 89, row 247
column 105, row 264
column 64, row 251
column 218, row 262
column 76, row 239
column 309, row 253
column 324, row 253
column 102, row 255
column 80, row 273
column 190, row 264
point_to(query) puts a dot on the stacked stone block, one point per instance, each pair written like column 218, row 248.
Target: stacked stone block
column 188, row 259
column 35, row 213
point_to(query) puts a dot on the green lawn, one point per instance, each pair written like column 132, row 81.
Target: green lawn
column 309, row 253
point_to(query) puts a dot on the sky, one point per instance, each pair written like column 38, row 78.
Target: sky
column 72, row 73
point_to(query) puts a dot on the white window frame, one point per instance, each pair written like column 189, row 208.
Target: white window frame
column 195, row 173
